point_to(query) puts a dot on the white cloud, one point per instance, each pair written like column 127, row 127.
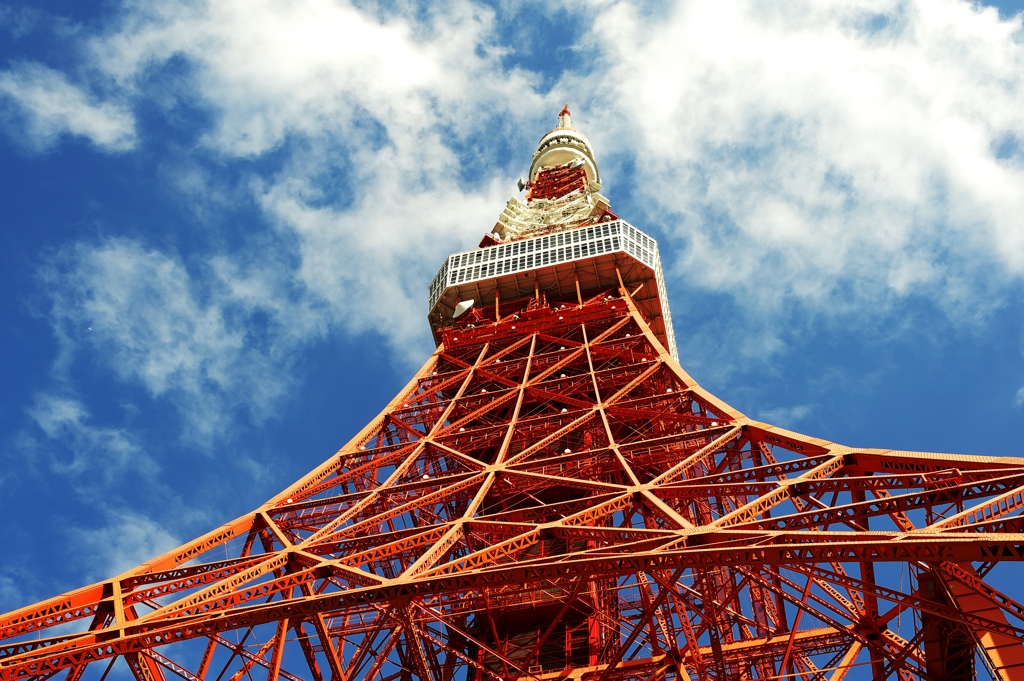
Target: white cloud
column 19, row 21
column 10, row 591
column 388, row 120
column 370, row 265
column 40, row 105
column 844, row 155
column 93, row 453
column 380, row 119
column 313, row 67
column 786, row 417
column 184, row 339
column 1019, row 399
column 128, row 539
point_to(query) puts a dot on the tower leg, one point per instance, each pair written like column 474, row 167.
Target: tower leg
column 1004, row 653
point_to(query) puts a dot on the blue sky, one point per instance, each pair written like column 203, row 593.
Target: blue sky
column 219, row 222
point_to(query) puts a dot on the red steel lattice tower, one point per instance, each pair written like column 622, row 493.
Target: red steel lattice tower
column 552, row 497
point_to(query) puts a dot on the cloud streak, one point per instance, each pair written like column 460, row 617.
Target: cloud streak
column 185, row 339
column 380, row 127
column 126, row 540
column 313, row 68
column 40, row 105
column 96, row 452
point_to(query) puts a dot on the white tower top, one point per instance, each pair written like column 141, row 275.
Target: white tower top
column 564, row 241
column 562, row 145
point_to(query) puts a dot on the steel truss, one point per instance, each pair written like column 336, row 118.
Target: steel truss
column 552, row 496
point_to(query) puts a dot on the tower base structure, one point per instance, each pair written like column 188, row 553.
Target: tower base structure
column 552, row 497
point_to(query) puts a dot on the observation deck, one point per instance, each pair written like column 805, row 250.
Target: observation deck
column 572, row 263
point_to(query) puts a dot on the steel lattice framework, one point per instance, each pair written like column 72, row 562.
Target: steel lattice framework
column 552, row 496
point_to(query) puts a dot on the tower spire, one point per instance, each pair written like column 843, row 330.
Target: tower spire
column 562, row 145
column 564, row 118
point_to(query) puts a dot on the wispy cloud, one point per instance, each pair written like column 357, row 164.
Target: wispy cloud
column 39, row 106
column 19, row 21
column 787, row 417
column 102, row 471
column 309, row 68
column 382, row 128
column 127, row 539
column 88, row 452
column 184, row 339
column 368, row 266
column 10, row 591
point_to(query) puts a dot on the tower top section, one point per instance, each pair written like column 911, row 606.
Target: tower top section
column 562, row 190
column 559, row 250
column 565, row 144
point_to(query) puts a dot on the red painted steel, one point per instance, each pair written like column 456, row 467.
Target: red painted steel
column 565, row 501
column 553, row 183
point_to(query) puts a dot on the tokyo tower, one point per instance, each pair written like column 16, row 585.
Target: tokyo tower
column 552, row 497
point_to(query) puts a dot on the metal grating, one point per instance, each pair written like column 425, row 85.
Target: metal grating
column 553, row 249
column 549, row 249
